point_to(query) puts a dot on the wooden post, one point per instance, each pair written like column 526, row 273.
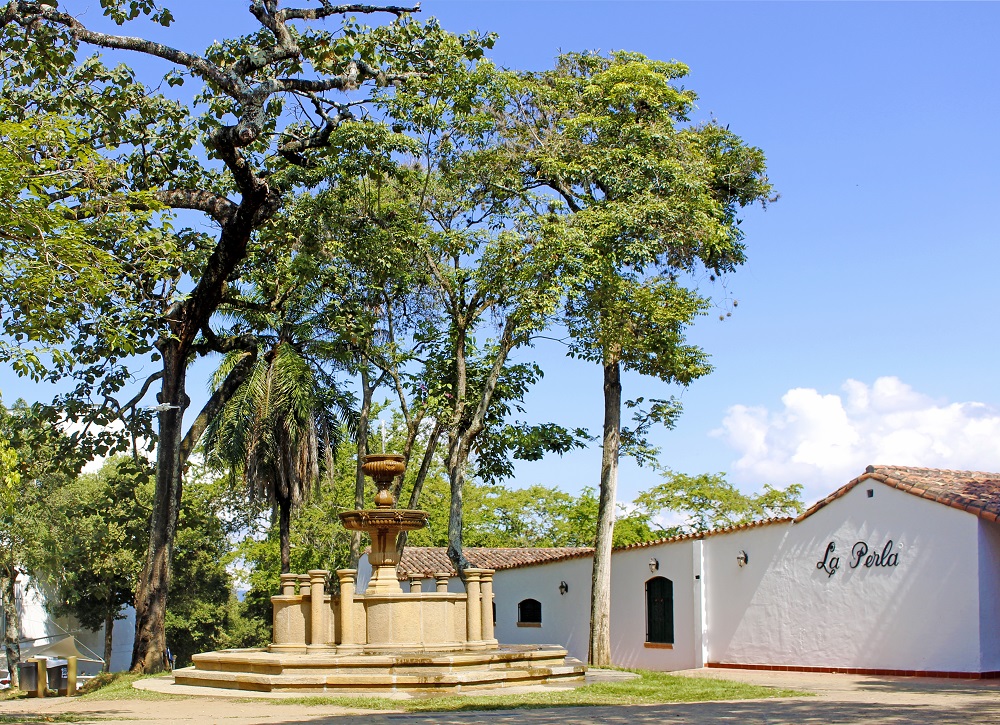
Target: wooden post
column 42, row 678
column 70, row 676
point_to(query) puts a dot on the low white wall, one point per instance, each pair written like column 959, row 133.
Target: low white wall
column 918, row 611
column 565, row 617
column 989, row 595
column 733, row 593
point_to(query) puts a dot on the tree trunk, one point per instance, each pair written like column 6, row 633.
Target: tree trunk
column 599, row 653
column 285, row 533
column 367, row 391
column 150, row 647
column 458, row 454
column 109, row 628
column 12, row 628
column 418, row 484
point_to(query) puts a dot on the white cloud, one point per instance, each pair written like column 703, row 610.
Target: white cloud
column 823, row 441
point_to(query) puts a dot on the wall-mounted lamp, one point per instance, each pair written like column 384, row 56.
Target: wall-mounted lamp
column 563, row 587
column 742, row 559
column 654, row 564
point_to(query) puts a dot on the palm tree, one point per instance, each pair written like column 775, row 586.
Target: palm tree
column 288, row 415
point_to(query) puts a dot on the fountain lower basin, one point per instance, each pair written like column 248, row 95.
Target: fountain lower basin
column 384, row 639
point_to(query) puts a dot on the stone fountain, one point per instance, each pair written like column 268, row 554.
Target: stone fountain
column 384, row 639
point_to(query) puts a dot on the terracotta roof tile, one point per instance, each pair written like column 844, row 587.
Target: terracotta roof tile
column 977, row 492
column 432, row 559
column 703, row 534
column 429, row 560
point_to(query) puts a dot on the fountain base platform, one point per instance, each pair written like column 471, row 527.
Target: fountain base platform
column 263, row 671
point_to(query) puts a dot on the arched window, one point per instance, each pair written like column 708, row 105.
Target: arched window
column 660, row 610
column 529, row 613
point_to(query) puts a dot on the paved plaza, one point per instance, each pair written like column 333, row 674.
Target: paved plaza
column 838, row 699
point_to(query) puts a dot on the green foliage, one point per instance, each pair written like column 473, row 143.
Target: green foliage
column 708, row 501
column 88, row 267
column 650, row 197
column 92, row 537
column 201, row 608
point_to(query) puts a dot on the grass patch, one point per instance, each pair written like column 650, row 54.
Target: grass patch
column 649, row 688
column 118, row 686
column 71, row 717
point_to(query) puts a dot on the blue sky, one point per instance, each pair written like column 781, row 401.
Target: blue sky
column 876, row 263
column 865, row 331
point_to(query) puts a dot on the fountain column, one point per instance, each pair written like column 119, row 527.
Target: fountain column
column 319, row 632
column 383, row 523
column 289, row 618
column 473, row 607
column 347, row 638
column 487, row 592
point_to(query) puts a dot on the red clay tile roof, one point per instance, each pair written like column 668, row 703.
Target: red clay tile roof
column 431, row 559
column 703, row 534
column 977, row 492
column 428, row 560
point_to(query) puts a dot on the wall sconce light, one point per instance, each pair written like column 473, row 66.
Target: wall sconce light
column 654, row 564
column 742, row 558
column 563, row 587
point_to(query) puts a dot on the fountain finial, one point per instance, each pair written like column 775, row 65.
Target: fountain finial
column 383, row 468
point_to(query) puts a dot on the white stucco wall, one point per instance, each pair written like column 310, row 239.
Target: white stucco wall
column 731, row 591
column 629, row 574
column 922, row 614
column 989, row 595
column 565, row 617
column 936, row 610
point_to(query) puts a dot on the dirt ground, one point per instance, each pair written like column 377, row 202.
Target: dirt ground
column 838, row 699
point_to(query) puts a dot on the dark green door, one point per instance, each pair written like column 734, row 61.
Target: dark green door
column 660, row 610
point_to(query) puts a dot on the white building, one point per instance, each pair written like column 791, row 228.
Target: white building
column 897, row 572
column 39, row 629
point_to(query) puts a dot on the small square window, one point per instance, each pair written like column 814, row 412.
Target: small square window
column 529, row 613
column 871, row 493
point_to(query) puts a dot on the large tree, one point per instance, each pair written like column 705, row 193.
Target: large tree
column 496, row 263
column 655, row 198
column 230, row 153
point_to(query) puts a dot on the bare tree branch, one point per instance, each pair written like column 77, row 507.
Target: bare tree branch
column 329, row 9
column 27, row 11
column 215, row 205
